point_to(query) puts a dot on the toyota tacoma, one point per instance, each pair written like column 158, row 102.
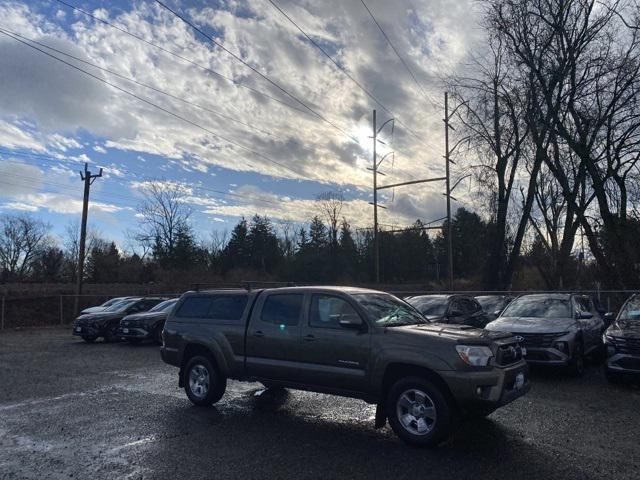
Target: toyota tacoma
column 344, row 341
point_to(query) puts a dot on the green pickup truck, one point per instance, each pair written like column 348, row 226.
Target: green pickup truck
column 345, row 341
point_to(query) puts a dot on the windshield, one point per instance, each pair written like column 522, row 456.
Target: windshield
column 631, row 311
column 539, row 307
column 430, row 306
column 490, row 304
column 113, row 301
column 388, row 311
column 120, row 306
column 166, row 305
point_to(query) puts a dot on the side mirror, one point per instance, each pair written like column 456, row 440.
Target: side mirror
column 455, row 313
column 584, row 315
column 609, row 316
column 497, row 313
column 351, row 321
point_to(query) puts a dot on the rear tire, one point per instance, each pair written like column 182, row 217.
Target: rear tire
column 418, row 412
column 203, row 383
column 89, row 339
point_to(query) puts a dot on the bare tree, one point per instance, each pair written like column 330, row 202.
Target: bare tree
column 330, row 208
column 585, row 69
column 164, row 216
column 71, row 245
column 21, row 238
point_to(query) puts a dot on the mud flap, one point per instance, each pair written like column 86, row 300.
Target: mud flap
column 381, row 416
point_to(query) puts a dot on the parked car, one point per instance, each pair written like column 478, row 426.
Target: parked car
column 346, row 341
column 622, row 341
column 105, row 324
column 104, row 306
column 557, row 329
column 493, row 305
column 457, row 309
column 146, row 325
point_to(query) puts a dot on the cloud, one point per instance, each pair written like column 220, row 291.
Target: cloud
column 59, row 102
column 18, row 178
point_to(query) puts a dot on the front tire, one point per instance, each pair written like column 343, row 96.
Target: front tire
column 576, row 366
column 418, row 412
column 203, row 384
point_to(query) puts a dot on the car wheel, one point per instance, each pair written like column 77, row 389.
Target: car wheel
column 157, row 337
column 203, row 383
column 89, row 339
column 111, row 335
column 418, row 412
column 576, row 365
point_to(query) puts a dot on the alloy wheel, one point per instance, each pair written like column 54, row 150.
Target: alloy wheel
column 416, row 412
column 199, row 380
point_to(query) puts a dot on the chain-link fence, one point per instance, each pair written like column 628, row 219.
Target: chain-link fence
column 47, row 310
column 23, row 310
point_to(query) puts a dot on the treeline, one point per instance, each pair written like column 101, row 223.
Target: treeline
column 258, row 249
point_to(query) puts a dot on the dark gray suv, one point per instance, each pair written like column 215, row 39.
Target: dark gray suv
column 556, row 329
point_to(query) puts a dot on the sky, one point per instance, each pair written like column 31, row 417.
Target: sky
column 148, row 98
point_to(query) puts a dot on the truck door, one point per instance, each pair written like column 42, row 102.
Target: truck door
column 332, row 355
column 273, row 337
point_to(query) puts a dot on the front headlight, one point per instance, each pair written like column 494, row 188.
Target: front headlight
column 477, row 356
column 607, row 338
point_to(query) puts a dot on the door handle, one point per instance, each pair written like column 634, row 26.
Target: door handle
column 309, row 338
column 258, row 333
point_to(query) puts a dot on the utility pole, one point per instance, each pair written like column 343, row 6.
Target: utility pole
column 88, row 180
column 376, row 245
column 448, row 188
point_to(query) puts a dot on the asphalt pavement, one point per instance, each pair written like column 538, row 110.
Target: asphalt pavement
column 74, row 410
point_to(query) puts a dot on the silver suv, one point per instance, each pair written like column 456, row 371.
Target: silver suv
column 556, row 329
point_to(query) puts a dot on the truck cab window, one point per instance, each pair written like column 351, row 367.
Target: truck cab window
column 282, row 309
column 327, row 311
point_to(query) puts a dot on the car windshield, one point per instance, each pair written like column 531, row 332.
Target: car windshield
column 539, row 307
column 430, row 306
column 120, row 306
column 388, row 311
column 113, row 301
column 166, row 305
column 631, row 311
column 490, row 304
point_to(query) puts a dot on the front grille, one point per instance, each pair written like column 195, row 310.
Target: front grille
column 508, row 354
column 627, row 345
column 538, row 340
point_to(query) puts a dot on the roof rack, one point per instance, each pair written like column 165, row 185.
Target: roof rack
column 246, row 284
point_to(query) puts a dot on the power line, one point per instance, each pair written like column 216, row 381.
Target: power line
column 255, row 70
column 150, row 87
column 177, row 55
column 406, row 66
column 346, row 72
column 148, row 102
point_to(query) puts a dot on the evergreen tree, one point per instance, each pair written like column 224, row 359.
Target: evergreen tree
column 237, row 252
column 264, row 249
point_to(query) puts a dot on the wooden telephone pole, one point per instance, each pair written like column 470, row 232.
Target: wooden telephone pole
column 88, row 178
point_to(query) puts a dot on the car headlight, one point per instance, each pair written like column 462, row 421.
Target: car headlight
column 607, row 338
column 477, row 356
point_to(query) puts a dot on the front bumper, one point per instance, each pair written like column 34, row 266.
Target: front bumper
column 624, row 363
column 87, row 331
column 488, row 389
column 134, row 332
column 547, row 356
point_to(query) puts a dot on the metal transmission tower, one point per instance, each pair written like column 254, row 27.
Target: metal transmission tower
column 375, row 166
column 449, row 188
column 88, row 178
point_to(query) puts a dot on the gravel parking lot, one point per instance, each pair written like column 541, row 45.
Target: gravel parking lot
column 70, row 409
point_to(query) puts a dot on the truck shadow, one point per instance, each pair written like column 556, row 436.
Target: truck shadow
column 280, row 435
